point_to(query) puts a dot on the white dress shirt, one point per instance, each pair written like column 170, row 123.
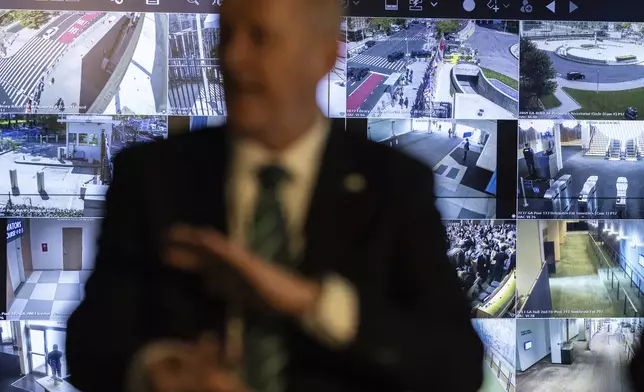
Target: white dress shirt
column 334, row 319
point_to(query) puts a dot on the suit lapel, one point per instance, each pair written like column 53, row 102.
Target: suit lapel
column 341, row 206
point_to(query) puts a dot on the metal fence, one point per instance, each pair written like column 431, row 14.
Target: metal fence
column 195, row 79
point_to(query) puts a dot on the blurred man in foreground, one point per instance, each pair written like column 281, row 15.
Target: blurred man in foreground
column 276, row 253
column 637, row 367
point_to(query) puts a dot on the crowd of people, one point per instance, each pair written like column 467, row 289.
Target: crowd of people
column 482, row 253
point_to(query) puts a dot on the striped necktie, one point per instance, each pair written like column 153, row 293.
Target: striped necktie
column 265, row 355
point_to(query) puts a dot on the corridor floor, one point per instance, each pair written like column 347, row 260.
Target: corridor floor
column 600, row 369
column 48, row 295
column 576, row 289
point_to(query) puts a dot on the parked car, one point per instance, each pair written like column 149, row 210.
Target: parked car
column 370, row 43
column 575, row 76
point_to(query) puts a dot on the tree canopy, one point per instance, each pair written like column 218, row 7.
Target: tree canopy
column 537, row 75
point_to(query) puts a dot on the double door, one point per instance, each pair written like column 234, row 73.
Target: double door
column 40, row 341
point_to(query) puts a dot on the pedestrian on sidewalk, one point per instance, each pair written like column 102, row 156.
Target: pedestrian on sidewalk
column 466, row 148
column 406, row 103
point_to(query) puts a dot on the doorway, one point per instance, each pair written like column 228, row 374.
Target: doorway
column 15, row 266
column 72, row 249
column 40, row 341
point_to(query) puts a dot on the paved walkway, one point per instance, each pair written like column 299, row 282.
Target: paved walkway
column 444, row 83
column 69, row 70
column 410, row 92
column 568, row 104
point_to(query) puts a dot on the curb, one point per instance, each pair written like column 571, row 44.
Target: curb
column 18, row 162
column 512, row 51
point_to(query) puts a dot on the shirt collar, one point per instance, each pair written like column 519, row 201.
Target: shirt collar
column 298, row 159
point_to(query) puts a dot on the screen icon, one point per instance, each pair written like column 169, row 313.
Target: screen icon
column 526, row 8
column 151, row 2
column 552, row 6
column 195, row 2
column 415, row 5
column 391, row 5
column 572, row 7
column 469, row 5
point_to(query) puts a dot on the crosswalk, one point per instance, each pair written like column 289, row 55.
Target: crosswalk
column 21, row 73
column 376, row 61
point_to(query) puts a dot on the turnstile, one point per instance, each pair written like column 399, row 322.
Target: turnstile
column 587, row 201
column 558, row 195
column 620, row 200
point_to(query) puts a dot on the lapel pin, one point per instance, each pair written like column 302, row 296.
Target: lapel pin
column 355, row 183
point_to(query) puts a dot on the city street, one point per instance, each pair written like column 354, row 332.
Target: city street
column 22, row 74
column 67, row 66
column 364, row 94
column 596, row 73
column 494, row 46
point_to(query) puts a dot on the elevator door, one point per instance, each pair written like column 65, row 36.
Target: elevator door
column 14, row 261
column 72, row 248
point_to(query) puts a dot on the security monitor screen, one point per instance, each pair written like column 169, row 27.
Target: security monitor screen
column 524, row 113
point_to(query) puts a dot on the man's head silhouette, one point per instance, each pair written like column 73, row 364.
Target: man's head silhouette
column 274, row 53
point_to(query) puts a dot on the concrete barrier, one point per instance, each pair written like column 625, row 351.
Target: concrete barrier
column 482, row 86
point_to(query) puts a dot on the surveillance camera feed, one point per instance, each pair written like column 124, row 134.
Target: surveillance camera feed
column 61, row 165
column 499, row 342
column 581, row 70
column 426, row 68
column 530, row 129
column 576, row 354
column 83, row 62
column 484, row 256
column 32, row 354
column 581, row 169
column 48, row 263
column 463, row 155
column 580, row 268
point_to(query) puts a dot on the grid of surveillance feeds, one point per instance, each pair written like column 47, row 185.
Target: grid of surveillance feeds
column 555, row 289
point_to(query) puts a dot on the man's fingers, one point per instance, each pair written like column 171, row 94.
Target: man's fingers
column 183, row 258
column 208, row 351
column 207, row 238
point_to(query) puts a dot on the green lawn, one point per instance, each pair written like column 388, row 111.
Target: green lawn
column 550, row 101
column 508, row 81
column 603, row 104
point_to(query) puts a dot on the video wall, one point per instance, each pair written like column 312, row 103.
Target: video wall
column 530, row 128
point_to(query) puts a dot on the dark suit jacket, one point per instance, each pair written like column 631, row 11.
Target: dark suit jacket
column 637, row 368
column 415, row 332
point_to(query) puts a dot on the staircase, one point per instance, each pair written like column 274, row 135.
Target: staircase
column 615, row 150
column 598, row 145
column 630, row 151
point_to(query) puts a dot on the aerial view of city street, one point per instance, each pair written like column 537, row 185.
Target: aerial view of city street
column 331, row 94
column 62, row 165
column 581, row 70
column 83, row 62
column 423, row 68
column 195, row 82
